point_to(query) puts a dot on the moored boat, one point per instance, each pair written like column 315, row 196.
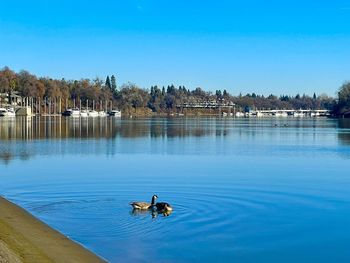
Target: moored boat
column 281, row 114
column 115, row 113
column 298, row 114
column 102, row 114
column 7, row 112
column 71, row 113
column 84, row 113
column 93, row 113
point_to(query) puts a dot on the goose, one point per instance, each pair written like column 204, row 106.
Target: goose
column 163, row 207
column 144, row 205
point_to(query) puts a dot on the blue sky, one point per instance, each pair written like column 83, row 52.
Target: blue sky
column 280, row 47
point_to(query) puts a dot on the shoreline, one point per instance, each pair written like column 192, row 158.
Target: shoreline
column 24, row 238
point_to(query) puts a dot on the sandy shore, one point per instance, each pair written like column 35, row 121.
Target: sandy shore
column 23, row 238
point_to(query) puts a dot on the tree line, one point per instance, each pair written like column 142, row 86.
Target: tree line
column 158, row 99
column 342, row 107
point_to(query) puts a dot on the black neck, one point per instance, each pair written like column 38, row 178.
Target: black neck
column 153, row 200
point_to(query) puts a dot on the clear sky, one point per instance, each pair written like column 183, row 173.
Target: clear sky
column 280, row 47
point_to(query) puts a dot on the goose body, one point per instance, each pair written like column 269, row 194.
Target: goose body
column 141, row 205
column 144, row 205
column 163, row 207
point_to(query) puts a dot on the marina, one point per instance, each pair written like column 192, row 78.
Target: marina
column 33, row 107
column 30, row 106
column 285, row 113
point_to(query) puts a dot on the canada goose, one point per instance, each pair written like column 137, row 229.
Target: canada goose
column 144, row 205
column 163, row 207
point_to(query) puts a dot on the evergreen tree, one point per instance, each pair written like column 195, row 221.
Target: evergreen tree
column 108, row 83
column 218, row 94
column 171, row 90
column 314, row 97
column 113, row 83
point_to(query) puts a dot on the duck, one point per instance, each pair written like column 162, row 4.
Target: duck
column 144, row 205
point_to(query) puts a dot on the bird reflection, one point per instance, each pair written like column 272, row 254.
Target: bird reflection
column 153, row 212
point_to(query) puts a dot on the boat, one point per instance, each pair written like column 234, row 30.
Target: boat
column 115, row 113
column 298, row 114
column 259, row 114
column 11, row 112
column 281, row 114
column 84, row 113
column 7, row 112
column 93, row 113
column 102, row 114
column 71, row 112
column 315, row 114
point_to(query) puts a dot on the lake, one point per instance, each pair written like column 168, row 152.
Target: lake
column 243, row 190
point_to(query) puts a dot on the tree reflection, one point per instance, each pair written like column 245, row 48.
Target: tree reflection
column 24, row 130
column 27, row 128
column 344, row 135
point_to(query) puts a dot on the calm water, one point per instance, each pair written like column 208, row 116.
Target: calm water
column 243, row 190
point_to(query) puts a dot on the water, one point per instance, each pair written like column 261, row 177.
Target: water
column 243, row 190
